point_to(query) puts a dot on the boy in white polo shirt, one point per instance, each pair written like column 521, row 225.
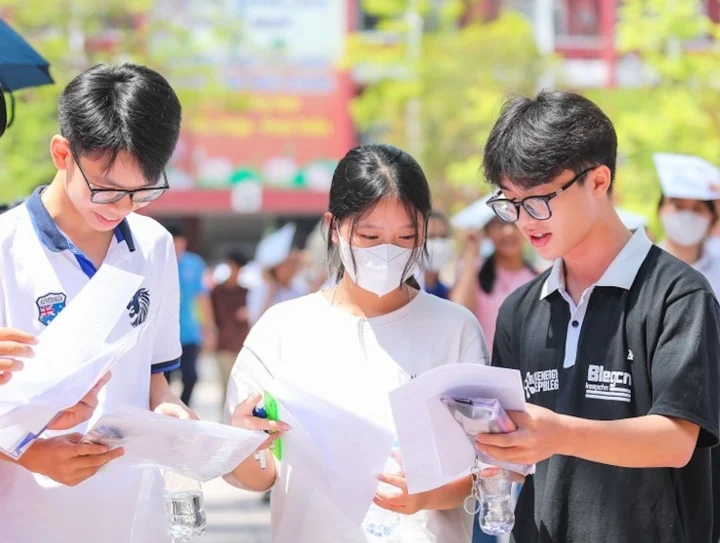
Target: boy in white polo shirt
column 119, row 126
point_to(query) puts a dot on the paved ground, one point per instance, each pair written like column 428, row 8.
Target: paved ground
column 234, row 516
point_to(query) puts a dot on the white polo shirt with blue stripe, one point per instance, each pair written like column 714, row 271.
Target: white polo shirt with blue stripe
column 41, row 273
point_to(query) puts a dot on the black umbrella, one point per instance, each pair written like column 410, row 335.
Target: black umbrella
column 20, row 67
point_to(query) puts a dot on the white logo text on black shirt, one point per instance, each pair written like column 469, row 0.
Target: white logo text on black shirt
column 602, row 384
column 541, row 381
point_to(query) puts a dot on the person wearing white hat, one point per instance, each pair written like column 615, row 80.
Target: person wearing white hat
column 482, row 286
column 279, row 263
column 687, row 211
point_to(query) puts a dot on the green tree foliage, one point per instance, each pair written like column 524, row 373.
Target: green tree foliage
column 459, row 79
column 678, row 110
column 74, row 35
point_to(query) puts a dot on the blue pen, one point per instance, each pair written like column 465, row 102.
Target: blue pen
column 260, row 413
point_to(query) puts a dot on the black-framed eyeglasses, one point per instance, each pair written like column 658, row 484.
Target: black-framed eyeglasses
column 111, row 196
column 538, row 207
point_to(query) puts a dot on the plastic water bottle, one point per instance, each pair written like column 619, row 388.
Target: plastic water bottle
column 185, row 507
column 380, row 523
column 497, row 516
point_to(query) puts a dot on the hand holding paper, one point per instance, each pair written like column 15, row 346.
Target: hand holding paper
column 81, row 411
column 66, row 460
column 199, row 450
column 243, row 418
column 539, row 436
column 436, row 450
column 13, row 344
column 63, row 372
column 342, row 451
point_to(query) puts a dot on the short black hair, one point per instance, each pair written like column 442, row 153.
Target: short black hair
column 535, row 140
column 176, row 231
column 237, row 257
column 109, row 109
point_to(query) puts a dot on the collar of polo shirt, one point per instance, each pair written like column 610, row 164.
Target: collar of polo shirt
column 621, row 273
column 51, row 236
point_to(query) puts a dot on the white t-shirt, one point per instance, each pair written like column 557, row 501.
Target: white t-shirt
column 355, row 363
column 39, row 275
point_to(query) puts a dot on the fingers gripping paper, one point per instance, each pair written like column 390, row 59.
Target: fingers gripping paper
column 71, row 356
column 435, row 449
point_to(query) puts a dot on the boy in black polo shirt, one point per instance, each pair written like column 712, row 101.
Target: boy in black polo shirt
column 618, row 345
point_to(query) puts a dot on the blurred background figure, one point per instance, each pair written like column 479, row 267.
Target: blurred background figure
column 485, row 280
column 229, row 303
column 687, row 211
column 316, row 265
column 440, row 255
column 275, row 270
column 197, row 323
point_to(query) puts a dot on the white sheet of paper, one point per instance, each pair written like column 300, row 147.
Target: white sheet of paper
column 74, row 337
column 345, row 451
column 24, row 423
column 71, row 356
column 197, row 449
column 435, row 449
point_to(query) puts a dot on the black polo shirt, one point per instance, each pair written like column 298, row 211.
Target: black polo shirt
column 647, row 341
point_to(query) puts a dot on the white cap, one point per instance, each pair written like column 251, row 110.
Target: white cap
column 632, row 221
column 276, row 247
column 250, row 276
column 686, row 176
column 475, row 216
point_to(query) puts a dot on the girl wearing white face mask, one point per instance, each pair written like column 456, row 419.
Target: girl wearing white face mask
column 355, row 342
column 687, row 223
column 440, row 254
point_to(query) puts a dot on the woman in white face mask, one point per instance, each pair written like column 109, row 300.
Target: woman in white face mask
column 439, row 254
column 354, row 343
column 687, row 223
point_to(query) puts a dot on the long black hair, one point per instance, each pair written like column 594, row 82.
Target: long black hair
column 367, row 175
column 488, row 271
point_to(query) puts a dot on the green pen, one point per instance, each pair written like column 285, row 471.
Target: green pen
column 271, row 409
column 270, row 406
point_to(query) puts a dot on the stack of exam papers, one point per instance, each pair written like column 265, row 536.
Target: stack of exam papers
column 199, row 450
column 434, row 446
column 71, row 356
column 341, row 450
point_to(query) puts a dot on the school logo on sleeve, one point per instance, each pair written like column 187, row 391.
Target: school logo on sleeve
column 49, row 306
column 139, row 307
